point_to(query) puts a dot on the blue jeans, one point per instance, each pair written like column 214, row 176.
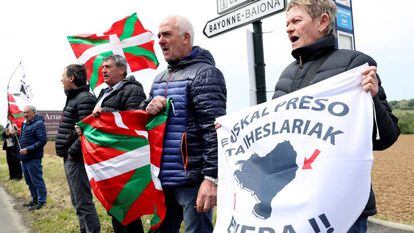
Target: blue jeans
column 33, row 174
column 181, row 202
column 360, row 225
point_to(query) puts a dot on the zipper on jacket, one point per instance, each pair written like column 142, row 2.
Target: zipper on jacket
column 296, row 77
column 170, row 73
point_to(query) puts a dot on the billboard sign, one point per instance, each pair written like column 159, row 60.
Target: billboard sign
column 52, row 121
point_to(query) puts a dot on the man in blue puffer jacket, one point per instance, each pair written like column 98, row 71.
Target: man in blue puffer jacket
column 189, row 161
column 32, row 140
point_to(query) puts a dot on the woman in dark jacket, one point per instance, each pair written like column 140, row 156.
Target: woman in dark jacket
column 310, row 26
column 10, row 145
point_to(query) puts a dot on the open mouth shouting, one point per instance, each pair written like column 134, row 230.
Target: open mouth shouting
column 293, row 39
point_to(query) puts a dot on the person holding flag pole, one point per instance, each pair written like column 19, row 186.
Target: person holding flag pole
column 11, row 145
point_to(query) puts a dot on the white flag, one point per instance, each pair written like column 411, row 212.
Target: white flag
column 19, row 94
column 299, row 163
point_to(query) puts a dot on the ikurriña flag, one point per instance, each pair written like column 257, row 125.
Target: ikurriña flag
column 298, row 163
column 126, row 37
column 122, row 155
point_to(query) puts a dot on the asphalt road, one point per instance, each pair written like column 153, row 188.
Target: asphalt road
column 10, row 219
column 377, row 228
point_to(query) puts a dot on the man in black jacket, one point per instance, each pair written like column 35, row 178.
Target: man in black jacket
column 197, row 88
column 79, row 104
column 123, row 93
column 310, row 25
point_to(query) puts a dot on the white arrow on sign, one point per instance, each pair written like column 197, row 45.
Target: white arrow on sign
column 250, row 13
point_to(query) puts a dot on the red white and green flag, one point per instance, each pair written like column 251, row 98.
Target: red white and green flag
column 126, row 37
column 18, row 96
column 122, row 155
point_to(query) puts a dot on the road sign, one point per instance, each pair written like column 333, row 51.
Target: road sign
column 344, row 19
column 238, row 18
column 224, row 6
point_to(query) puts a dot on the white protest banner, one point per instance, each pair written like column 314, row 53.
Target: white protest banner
column 299, row 163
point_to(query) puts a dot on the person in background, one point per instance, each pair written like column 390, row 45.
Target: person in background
column 310, row 26
column 11, row 147
column 32, row 140
column 79, row 104
column 197, row 88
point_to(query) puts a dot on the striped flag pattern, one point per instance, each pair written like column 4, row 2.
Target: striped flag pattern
column 126, row 37
column 122, row 154
column 16, row 109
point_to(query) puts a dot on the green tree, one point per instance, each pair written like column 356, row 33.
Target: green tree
column 410, row 104
column 393, row 104
column 406, row 123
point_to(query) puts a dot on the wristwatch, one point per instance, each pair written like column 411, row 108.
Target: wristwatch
column 211, row 179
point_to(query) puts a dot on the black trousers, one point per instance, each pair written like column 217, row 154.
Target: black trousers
column 15, row 168
column 133, row 227
column 81, row 196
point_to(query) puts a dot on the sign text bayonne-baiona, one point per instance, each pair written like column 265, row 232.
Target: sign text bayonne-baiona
column 238, row 18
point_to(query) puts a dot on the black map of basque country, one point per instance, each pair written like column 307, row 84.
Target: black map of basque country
column 266, row 176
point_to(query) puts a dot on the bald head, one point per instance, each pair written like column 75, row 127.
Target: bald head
column 29, row 112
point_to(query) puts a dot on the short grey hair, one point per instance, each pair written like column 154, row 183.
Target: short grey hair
column 119, row 61
column 183, row 25
column 32, row 108
column 316, row 8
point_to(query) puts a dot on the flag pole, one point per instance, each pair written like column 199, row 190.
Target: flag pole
column 15, row 69
column 8, row 84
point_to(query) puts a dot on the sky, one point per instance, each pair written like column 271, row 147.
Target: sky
column 35, row 32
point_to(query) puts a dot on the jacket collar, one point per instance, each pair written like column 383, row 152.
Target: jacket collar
column 196, row 55
column 75, row 91
column 315, row 50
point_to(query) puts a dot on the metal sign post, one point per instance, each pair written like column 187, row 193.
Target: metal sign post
column 251, row 12
column 259, row 64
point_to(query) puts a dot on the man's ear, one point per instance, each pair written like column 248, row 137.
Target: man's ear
column 72, row 79
column 324, row 23
column 187, row 37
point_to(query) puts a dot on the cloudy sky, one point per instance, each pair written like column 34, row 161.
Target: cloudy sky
column 35, row 32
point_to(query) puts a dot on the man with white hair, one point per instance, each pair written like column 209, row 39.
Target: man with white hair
column 32, row 140
column 197, row 89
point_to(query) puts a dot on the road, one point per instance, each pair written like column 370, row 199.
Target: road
column 10, row 219
column 377, row 228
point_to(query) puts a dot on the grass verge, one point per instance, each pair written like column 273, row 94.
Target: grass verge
column 58, row 215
